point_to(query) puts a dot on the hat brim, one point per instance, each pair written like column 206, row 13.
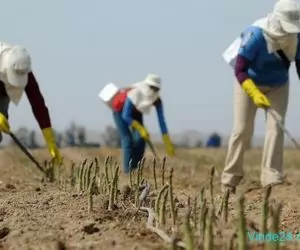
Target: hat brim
column 152, row 83
column 16, row 80
column 290, row 27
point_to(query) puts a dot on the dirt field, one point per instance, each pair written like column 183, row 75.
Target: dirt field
column 43, row 215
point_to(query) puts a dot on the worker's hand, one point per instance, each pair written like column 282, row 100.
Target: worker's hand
column 4, row 125
column 141, row 130
column 51, row 143
column 259, row 99
column 168, row 145
column 55, row 154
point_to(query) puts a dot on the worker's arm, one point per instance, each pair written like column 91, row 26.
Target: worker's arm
column 37, row 102
column 297, row 63
column 163, row 127
column 127, row 115
column 41, row 114
column 241, row 68
column 250, row 45
column 297, row 58
column 252, row 42
column 160, row 116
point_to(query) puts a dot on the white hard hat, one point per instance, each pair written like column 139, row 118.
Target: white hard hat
column 153, row 80
column 17, row 65
column 288, row 13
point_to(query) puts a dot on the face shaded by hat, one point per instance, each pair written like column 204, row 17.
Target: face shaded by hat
column 154, row 82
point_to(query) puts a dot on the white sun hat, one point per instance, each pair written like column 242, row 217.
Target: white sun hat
column 17, row 65
column 153, row 80
column 288, row 13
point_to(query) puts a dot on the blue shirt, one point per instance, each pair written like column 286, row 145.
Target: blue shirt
column 127, row 114
column 266, row 69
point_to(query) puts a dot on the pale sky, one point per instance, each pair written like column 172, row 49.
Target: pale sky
column 79, row 46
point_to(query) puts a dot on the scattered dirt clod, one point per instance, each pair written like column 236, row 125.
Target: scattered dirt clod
column 10, row 186
column 4, row 232
column 90, row 229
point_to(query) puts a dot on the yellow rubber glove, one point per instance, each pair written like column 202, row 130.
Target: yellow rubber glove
column 259, row 99
column 168, row 144
column 141, row 129
column 50, row 140
column 4, row 124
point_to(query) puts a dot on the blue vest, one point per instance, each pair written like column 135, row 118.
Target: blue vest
column 266, row 69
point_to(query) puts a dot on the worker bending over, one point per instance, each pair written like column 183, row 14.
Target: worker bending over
column 129, row 105
column 16, row 77
column 261, row 72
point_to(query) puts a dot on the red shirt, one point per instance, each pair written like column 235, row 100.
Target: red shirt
column 119, row 100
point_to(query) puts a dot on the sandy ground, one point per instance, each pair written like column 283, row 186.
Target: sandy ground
column 42, row 215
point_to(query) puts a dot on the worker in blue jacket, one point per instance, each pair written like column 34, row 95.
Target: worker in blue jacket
column 129, row 105
column 261, row 70
column 214, row 141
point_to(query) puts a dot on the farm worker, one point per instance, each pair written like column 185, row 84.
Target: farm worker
column 214, row 141
column 16, row 77
column 262, row 81
column 129, row 105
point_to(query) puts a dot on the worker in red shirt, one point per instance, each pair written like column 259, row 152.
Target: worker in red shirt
column 17, row 77
column 129, row 105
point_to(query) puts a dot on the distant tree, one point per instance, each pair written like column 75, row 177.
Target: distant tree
column 32, row 140
column 190, row 139
column 111, row 137
column 73, row 126
column 23, row 135
column 70, row 135
column 81, row 133
column 184, row 142
column 58, row 138
column 198, row 144
column 70, row 138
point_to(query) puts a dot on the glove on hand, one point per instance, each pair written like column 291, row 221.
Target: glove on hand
column 259, row 99
column 141, row 130
column 168, row 144
column 53, row 150
column 4, row 125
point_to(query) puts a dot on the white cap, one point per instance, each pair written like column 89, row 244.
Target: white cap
column 153, row 80
column 17, row 65
column 288, row 13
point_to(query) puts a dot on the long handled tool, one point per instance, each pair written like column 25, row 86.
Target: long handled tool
column 152, row 149
column 26, row 152
column 281, row 125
